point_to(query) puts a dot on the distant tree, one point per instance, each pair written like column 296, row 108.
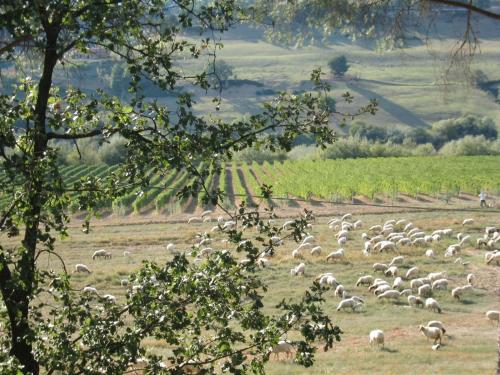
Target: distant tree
column 338, row 65
column 453, row 129
column 369, row 132
column 419, row 136
column 219, row 72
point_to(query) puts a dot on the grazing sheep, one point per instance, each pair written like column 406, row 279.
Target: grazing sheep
column 89, row 289
column 397, row 260
column 110, row 298
column 365, row 280
column 375, row 228
column 381, row 289
column 452, row 250
column 389, row 294
column 339, row 291
column 416, row 283
column 424, row 290
column 433, row 276
column 170, row 247
column 436, row 346
column 308, row 239
column 316, row 250
column 126, row 254
column 287, row 224
column 411, row 273
column 194, row 219
column 298, row 270
column 357, row 224
column 467, row 222
column 282, row 347
column 471, row 278
column 385, row 245
column 347, row 216
column 405, row 292
column 431, row 333
column 377, row 283
column 391, row 271
column 380, row 267
column 433, row 305
column 440, row 284
column 296, row 254
column 430, row 253
column 263, row 262
column 377, row 337
column 415, row 301
column 398, row 283
column 339, row 254
column 493, row 315
column 301, row 246
column 81, row 268
column 101, row 254
column 342, row 241
column 350, row 302
column 494, row 258
column 437, row 324
column 458, row 291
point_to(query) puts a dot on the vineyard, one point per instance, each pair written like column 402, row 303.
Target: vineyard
column 327, row 180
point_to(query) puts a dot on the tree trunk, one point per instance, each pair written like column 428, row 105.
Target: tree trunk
column 17, row 290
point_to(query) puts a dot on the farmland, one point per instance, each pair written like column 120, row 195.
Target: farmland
column 470, row 343
column 335, row 181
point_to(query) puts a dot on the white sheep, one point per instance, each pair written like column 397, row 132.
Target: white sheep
column 381, row 289
column 194, row 219
column 89, row 289
column 405, row 292
column 339, row 291
column 416, row 283
column 432, row 304
column 101, row 254
column 110, row 298
column 342, row 241
column 415, row 301
column 124, row 282
column 350, row 302
column 437, row 275
column 296, row 254
column 493, row 315
column 385, row 245
column 397, row 260
column 431, row 333
column 424, row 290
column 170, row 247
column 471, row 278
column 389, row 294
column 298, row 270
column 494, row 258
column 282, row 347
column 430, row 253
column 380, row 267
column 398, row 283
column 81, row 268
column 126, row 254
column 459, row 290
column 365, row 280
column 339, row 254
column 316, row 250
column 467, row 222
column 376, row 337
column 440, row 284
column 437, row 324
column 391, row 271
column 308, row 239
column 411, row 273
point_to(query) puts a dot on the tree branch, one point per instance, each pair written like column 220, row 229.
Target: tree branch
column 15, row 43
column 69, row 136
column 470, row 7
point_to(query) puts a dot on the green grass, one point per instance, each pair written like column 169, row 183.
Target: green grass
column 470, row 346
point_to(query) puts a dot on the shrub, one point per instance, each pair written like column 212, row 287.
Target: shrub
column 338, row 65
column 469, row 146
column 259, row 155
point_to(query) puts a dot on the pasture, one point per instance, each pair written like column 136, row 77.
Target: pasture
column 469, row 344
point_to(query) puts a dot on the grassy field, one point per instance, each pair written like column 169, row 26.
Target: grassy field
column 470, row 343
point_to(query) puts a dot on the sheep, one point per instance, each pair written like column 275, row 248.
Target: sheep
column 467, row 222
column 124, row 282
column 296, row 254
column 440, row 284
column 411, row 273
column 101, row 254
column 385, row 245
column 424, row 290
column 282, row 347
column 391, row 271
column 303, row 245
column 170, row 247
column 263, row 262
column 377, row 337
column 397, row 260
column 380, row 267
column 458, row 291
column 365, row 280
column 339, row 291
column 357, row 224
column 205, row 213
column 432, row 304
column 350, row 302
column 82, row 268
column 298, row 270
column 110, row 298
column 416, row 283
column 405, row 292
column 408, row 227
column 377, row 283
column 335, row 255
column 430, row 253
column 316, row 250
column 194, row 219
column 414, row 300
column 308, row 239
column 471, row 278
column 464, row 240
column 437, row 324
column 375, row 228
column 342, row 241
column 126, row 254
column 398, row 283
column 495, row 257
column 287, row 224
column 391, row 293
column 436, row 275
column 452, row 250
column 403, row 241
column 89, row 289
column 490, row 230
column 381, row 289
column 347, row 216
column 436, row 346
column 493, row 315
column 431, row 333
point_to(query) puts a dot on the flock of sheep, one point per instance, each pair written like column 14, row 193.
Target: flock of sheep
column 416, row 288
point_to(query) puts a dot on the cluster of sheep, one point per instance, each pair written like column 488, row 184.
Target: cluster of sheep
column 418, row 290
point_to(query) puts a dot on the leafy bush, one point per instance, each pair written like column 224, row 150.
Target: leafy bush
column 469, row 146
column 259, row 155
column 219, row 73
column 338, row 65
column 114, row 151
column 453, row 129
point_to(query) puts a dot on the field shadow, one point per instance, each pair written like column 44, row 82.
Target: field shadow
column 399, row 112
column 389, row 350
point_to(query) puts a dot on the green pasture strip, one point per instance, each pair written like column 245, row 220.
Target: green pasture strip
column 165, row 196
column 150, row 195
